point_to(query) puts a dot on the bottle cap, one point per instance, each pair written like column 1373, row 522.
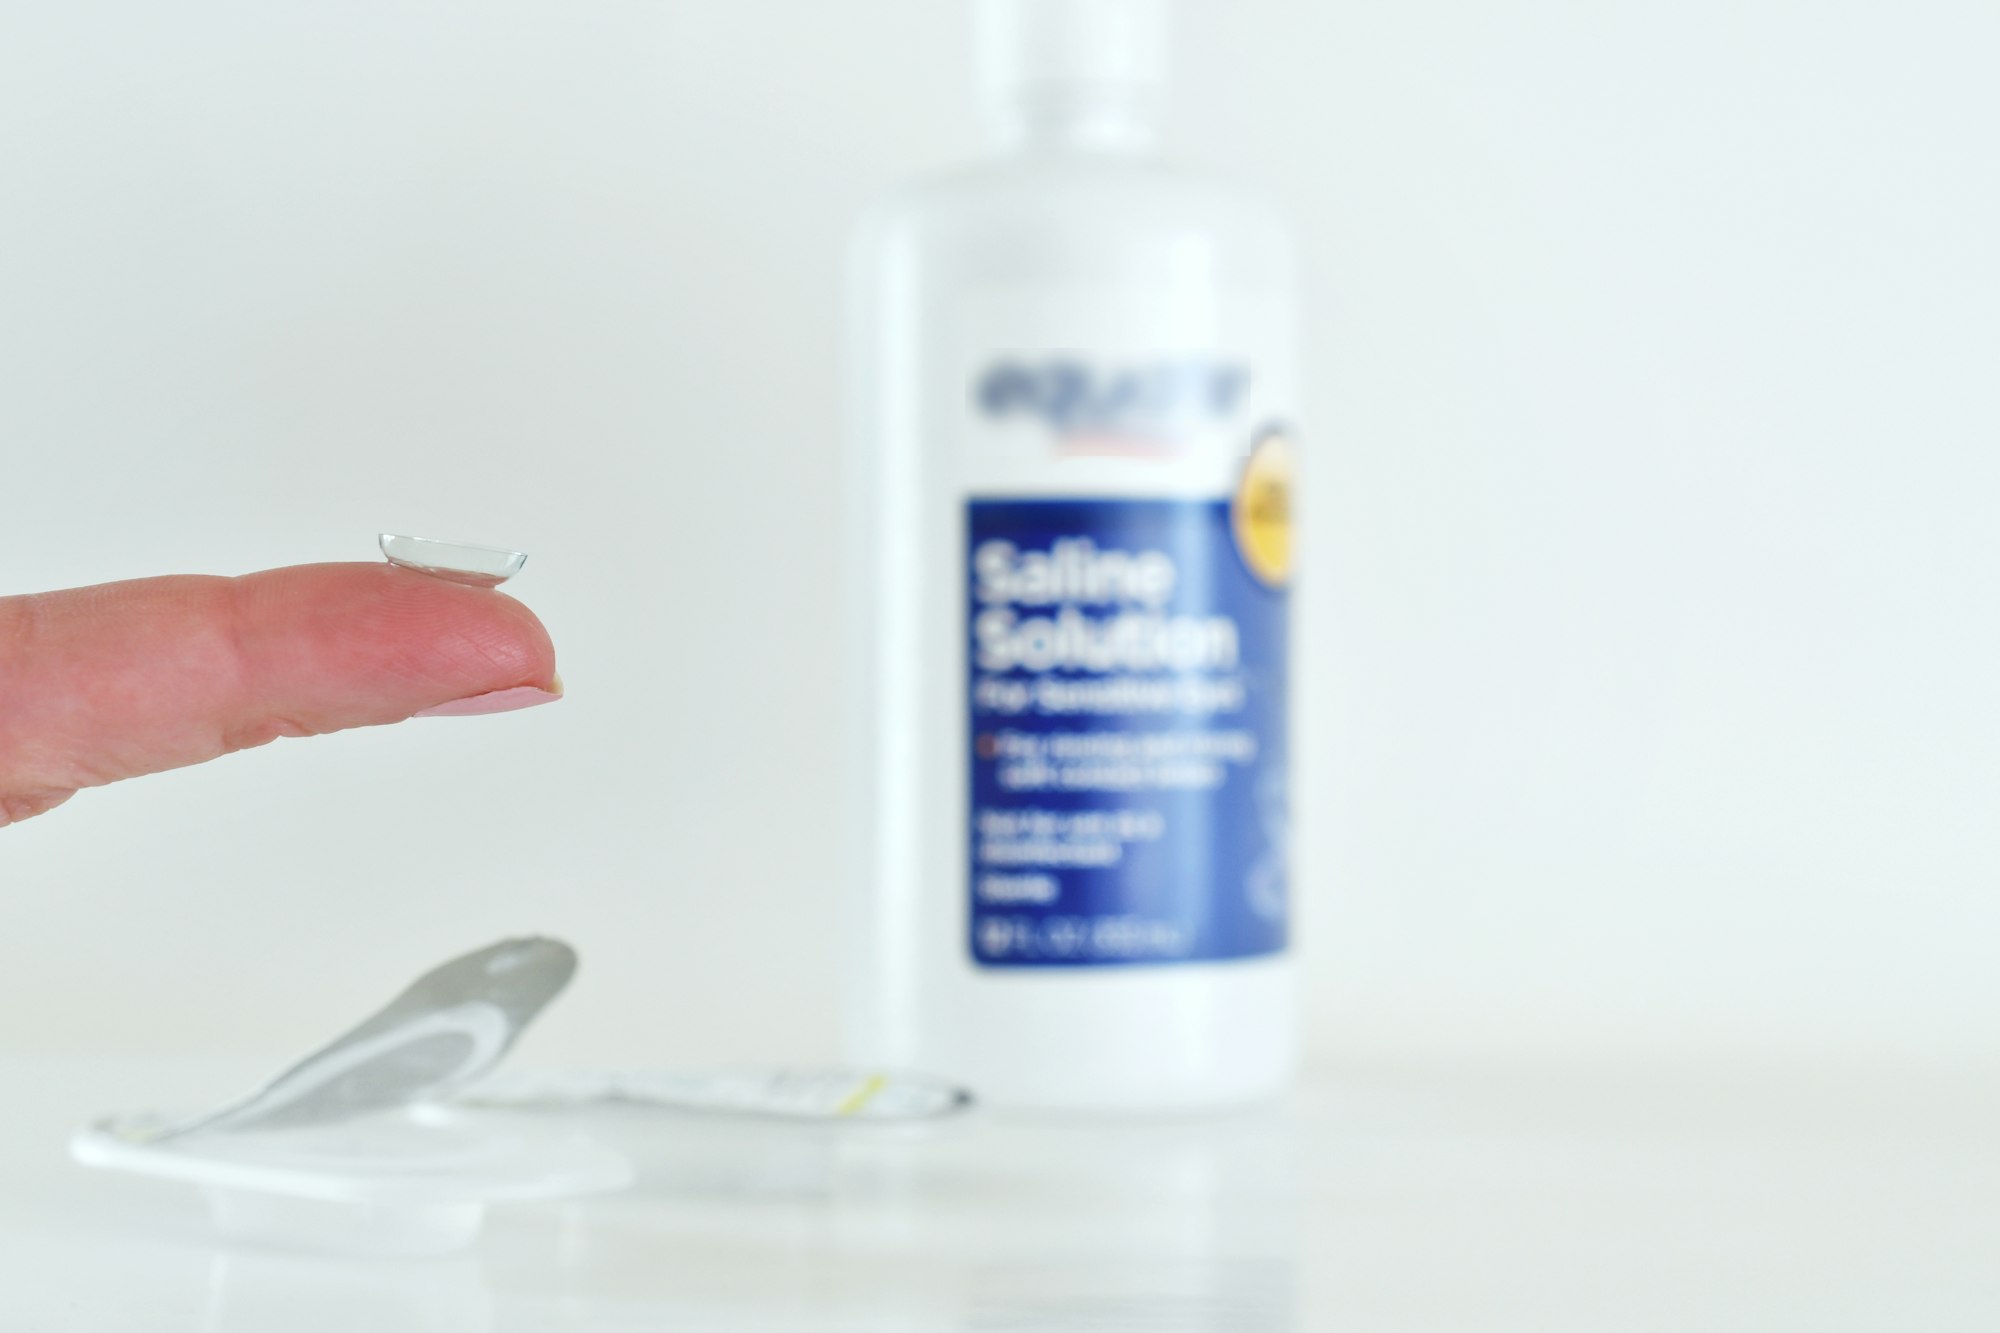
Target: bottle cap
column 1024, row 44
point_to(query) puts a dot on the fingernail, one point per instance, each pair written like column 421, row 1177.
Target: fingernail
column 496, row 701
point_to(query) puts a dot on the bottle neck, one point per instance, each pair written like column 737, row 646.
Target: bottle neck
column 1079, row 118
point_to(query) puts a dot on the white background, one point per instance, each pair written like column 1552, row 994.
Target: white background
column 1650, row 637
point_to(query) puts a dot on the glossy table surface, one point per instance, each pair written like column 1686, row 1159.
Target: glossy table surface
column 1381, row 1196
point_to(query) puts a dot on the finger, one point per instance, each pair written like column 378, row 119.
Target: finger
column 103, row 683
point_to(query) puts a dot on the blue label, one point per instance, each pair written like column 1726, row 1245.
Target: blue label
column 1127, row 701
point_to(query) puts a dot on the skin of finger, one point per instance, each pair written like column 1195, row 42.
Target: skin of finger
column 103, row 683
column 14, row 809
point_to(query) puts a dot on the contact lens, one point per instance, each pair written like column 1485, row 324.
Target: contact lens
column 479, row 566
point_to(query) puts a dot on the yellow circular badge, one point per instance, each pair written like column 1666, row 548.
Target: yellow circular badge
column 1262, row 510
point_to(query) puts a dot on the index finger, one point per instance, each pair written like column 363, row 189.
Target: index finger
column 110, row 682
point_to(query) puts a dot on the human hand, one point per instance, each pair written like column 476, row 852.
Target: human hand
column 122, row 679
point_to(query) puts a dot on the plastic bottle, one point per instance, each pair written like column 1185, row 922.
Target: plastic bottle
column 1073, row 436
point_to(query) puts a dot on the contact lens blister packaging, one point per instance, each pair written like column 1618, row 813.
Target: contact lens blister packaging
column 393, row 1138
column 414, row 1182
column 349, row 1149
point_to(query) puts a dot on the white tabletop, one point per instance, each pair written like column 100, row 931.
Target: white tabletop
column 1381, row 1197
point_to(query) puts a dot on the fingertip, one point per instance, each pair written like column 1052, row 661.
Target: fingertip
column 383, row 643
column 530, row 641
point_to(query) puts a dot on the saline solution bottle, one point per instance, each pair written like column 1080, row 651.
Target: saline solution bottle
column 1074, row 445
